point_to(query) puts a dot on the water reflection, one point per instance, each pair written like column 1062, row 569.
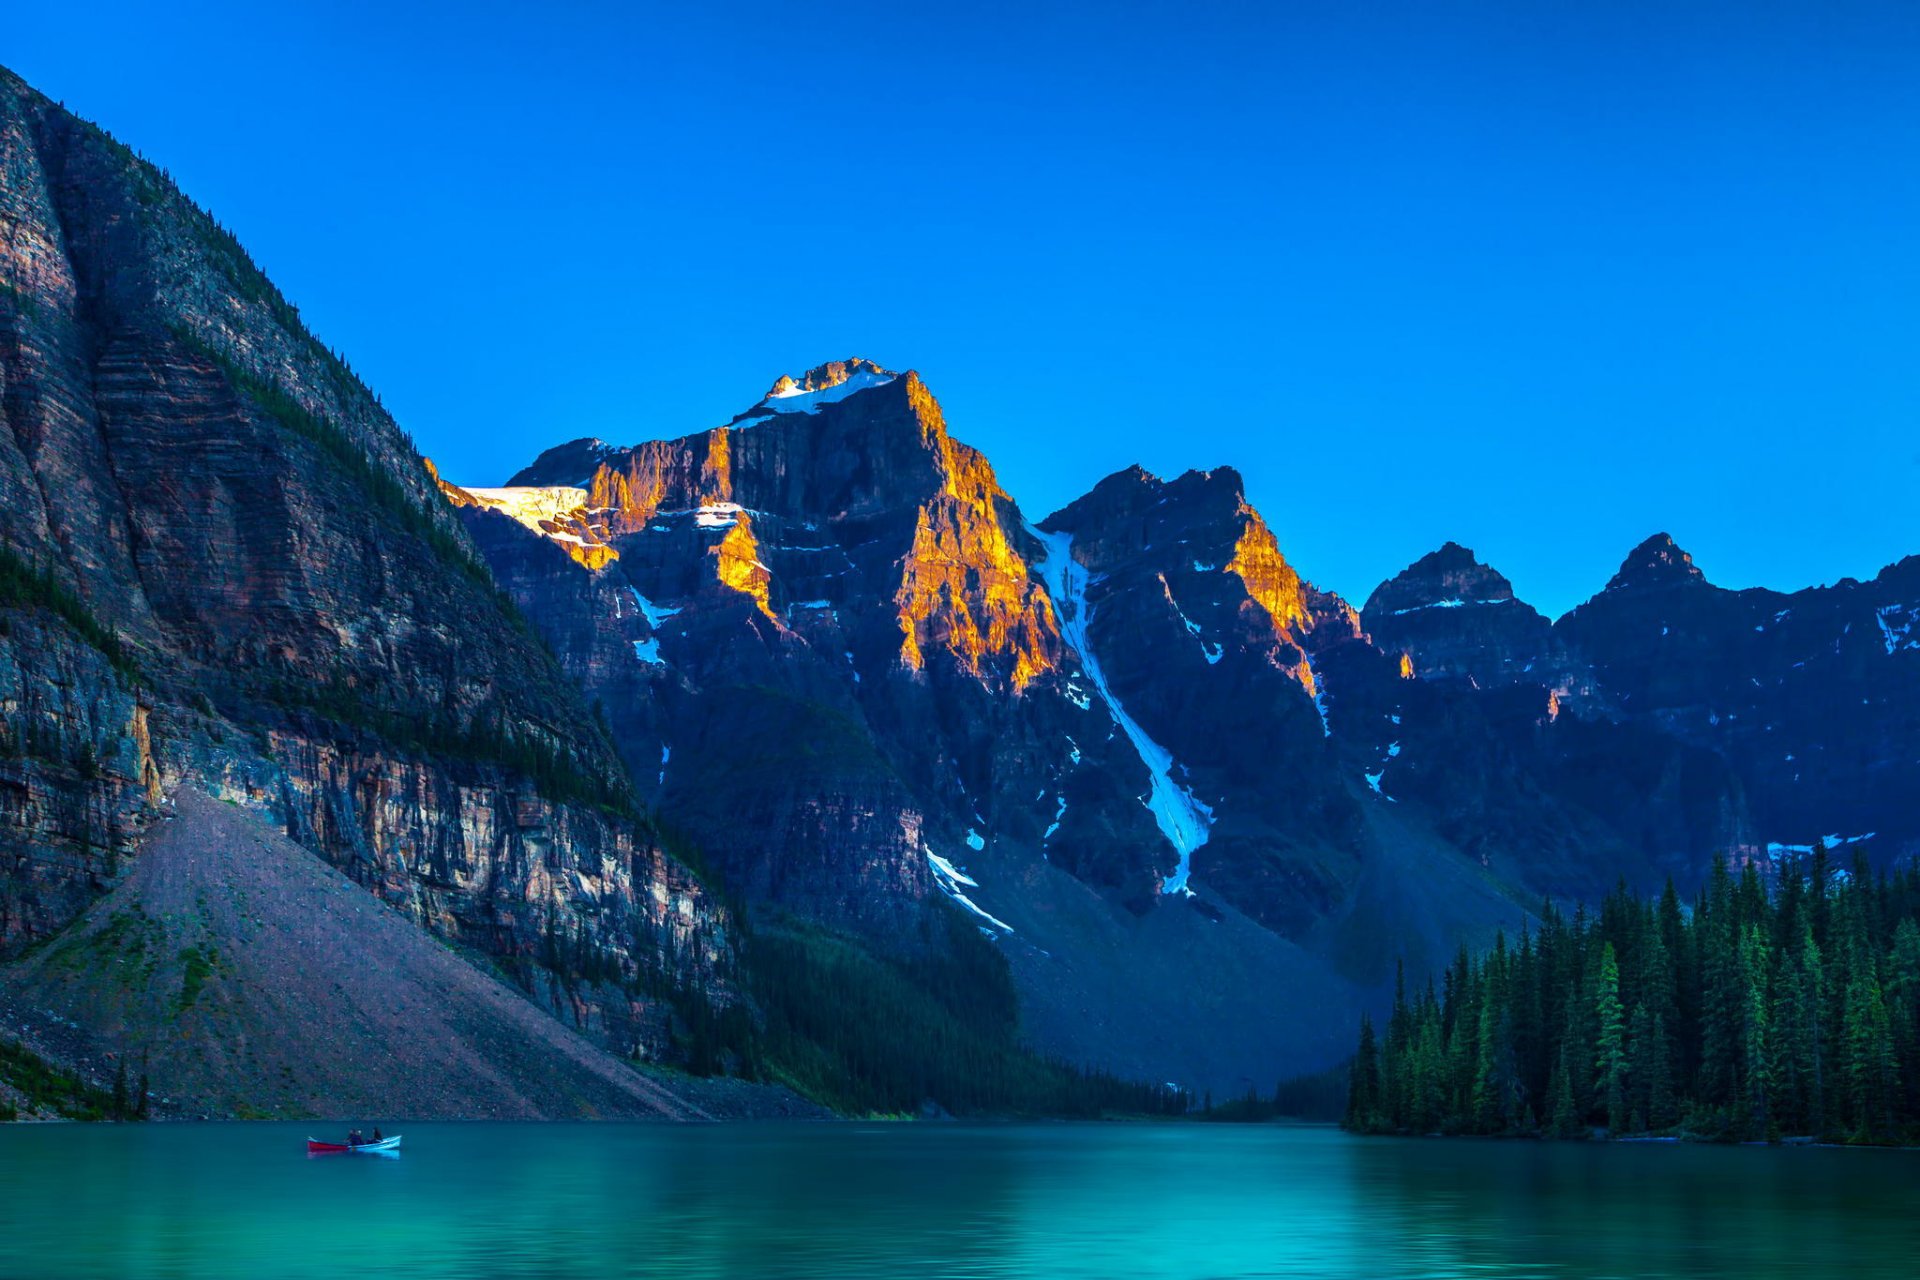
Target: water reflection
column 849, row 1201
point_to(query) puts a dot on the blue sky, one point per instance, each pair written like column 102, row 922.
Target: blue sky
column 1541, row 278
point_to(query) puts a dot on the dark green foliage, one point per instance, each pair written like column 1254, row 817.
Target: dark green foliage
column 196, row 966
column 1760, row 1015
column 1363, row 1095
column 24, row 585
column 1321, row 1097
column 47, row 1088
column 867, row 1034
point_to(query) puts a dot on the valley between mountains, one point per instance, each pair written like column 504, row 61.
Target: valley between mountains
column 789, row 748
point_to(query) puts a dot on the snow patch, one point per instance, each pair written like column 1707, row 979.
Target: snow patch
column 1374, row 778
column 717, row 515
column 951, row 880
column 1212, row 652
column 1900, row 636
column 1319, row 695
column 532, row 504
column 975, row 841
column 1182, row 819
column 799, row 401
column 652, row 612
column 1443, row 604
column 1832, row 842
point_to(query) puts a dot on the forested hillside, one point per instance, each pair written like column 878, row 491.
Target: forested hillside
column 1753, row 1015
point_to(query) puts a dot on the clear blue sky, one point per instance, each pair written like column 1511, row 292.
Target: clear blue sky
column 1540, row 277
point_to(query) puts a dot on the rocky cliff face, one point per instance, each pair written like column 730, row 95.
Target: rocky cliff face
column 1697, row 720
column 830, row 651
column 1205, row 640
column 226, row 564
column 1458, row 618
column 1812, row 697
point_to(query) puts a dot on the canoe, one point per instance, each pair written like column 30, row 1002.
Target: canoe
column 340, row 1148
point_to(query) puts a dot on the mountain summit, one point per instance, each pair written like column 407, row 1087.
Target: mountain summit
column 1656, row 563
column 1451, row 577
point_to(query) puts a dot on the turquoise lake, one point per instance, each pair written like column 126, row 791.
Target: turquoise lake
column 893, row 1200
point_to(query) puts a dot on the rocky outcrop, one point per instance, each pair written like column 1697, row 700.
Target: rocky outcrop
column 230, row 568
column 1206, row 637
column 1811, row 697
column 849, row 661
column 1689, row 721
column 1457, row 618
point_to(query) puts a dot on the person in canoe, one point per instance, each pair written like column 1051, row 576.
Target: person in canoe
column 354, row 1138
column 376, row 1133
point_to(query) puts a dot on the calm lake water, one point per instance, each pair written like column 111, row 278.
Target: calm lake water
column 856, row 1200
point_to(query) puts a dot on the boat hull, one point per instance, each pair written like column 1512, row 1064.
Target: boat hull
column 386, row 1146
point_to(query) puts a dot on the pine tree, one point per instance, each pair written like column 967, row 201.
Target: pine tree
column 1756, row 1060
column 1663, row 1110
column 1363, row 1089
column 1903, row 1012
column 1610, row 1052
column 1870, row 1061
column 1723, row 996
column 1640, row 1069
column 1566, row 1122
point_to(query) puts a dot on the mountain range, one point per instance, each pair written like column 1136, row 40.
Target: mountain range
column 811, row 672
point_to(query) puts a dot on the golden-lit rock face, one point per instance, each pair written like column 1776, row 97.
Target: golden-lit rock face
column 554, row 512
column 716, row 469
column 1271, row 582
column 592, row 557
column 915, row 520
column 737, row 563
column 963, row 587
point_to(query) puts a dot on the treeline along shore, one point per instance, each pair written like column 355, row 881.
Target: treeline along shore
column 1756, row 1014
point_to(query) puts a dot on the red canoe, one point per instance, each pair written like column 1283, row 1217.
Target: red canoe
column 385, row 1146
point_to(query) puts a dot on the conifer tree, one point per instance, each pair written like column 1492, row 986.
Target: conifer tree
column 1791, row 1010
column 1566, row 1122
column 1363, row 1090
column 1610, row 1053
column 1870, row 1061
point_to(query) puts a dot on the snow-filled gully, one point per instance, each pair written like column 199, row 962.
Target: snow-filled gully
column 1183, row 820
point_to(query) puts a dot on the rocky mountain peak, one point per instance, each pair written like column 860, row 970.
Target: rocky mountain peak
column 1657, row 562
column 1449, row 577
column 821, row 385
column 834, row 373
column 1135, row 492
